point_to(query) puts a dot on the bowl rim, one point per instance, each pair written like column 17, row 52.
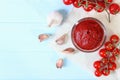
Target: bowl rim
column 103, row 38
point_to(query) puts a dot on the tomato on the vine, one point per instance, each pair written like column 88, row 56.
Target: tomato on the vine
column 103, row 1
column 68, row 2
column 112, row 66
column 98, row 73
column 88, row 7
column 77, row 3
column 116, row 52
column 114, row 8
column 105, row 60
column 109, row 46
column 100, row 7
column 112, row 58
column 97, row 64
column 114, row 38
column 108, row 1
column 103, row 53
column 105, row 72
column 91, row 0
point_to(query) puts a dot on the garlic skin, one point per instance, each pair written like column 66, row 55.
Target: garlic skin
column 43, row 37
column 61, row 40
column 69, row 50
column 54, row 19
column 59, row 63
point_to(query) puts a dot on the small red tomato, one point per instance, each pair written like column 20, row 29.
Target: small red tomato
column 109, row 46
column 97, row 64
column 112, row 66
column 105, row 60
column 83, row 2
column 68, row 2
column 100, row 0
column 114, row 8
column 98, row 73
column 100, row 7
column 116, row 52
column 109, row 1
column 112, row 58
column 104, row 53
column 77, row 3
column 105, row 72
column 91, row 0
column 89, row 7
column 114, row 38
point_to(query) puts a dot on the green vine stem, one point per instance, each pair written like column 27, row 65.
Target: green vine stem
column 95, row 2
column 109, row 19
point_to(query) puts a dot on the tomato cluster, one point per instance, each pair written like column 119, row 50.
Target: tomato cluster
column 97, row 5
column 108, row 61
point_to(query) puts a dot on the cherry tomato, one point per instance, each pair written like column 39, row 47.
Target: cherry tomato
column 83, row 2
column 103, row 53
column 105, row 60
column 89, row 7
column 100, row 0
column 91, row 0
column 77, row 4
column 68, row 2
column 114, row 8
column 112, row 66
column 97, row 64
column 112, row 58
column 105, row 72
column 98, row 73
column 116, row 52
column 109, row 1
column 109, row 46
column 114, row 38
column 100, row 7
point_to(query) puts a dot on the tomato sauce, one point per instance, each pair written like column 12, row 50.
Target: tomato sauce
column 87, row 34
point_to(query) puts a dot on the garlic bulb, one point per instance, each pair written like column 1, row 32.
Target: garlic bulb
column 59, row 63
column 69, row 50
column 54, row 19
column 43, row 37
column 61, row 40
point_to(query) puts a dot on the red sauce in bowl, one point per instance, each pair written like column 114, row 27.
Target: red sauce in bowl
column 88, row 34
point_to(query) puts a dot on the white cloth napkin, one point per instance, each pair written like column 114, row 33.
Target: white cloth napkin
column 85, row 60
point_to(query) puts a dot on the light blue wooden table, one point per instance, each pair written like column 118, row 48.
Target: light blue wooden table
column 22, row 56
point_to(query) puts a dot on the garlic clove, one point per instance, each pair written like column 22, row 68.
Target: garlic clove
column 69, row 51
column 54, row 19
column 61, row 40
column 43, row 37
column 59, row 63
column 51, row 23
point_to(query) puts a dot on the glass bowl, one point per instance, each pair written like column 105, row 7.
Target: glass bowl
column 88, row 34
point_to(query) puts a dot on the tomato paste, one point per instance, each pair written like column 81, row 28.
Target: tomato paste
column 88, row 34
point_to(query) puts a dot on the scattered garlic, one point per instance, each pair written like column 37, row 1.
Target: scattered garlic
column 61, row 40
column 69, row 50
column 43, row 37
column 55, row 18
column 59, row 63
